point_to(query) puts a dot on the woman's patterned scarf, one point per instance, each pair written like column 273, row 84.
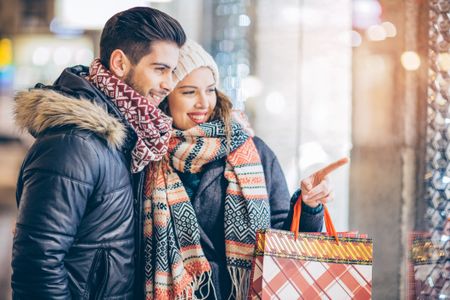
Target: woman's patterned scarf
column 151, row 125
column 175, row 265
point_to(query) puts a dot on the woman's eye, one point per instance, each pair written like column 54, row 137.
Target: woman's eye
column 188, row 92
column 211, row 90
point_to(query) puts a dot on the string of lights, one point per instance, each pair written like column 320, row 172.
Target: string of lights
column 231, row 46
column 437, row 179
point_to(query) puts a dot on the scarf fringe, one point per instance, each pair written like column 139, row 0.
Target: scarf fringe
column 240, row 282
column 197, row 285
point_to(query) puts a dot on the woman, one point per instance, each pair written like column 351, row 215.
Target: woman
column 216, row 187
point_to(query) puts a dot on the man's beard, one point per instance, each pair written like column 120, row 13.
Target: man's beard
column 130, row 81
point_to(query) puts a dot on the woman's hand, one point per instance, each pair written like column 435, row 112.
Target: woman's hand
column 316, row 188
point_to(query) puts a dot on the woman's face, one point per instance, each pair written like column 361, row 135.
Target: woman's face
column 193, row 100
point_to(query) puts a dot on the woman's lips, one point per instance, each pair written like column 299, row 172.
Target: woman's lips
column 197, row 118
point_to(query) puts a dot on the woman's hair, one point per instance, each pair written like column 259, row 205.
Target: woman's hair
column 222, row 111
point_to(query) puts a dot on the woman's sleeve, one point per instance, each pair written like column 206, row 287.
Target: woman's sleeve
column 311, row 219
column 281, row 203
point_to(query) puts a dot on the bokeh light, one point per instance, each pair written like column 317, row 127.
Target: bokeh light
column 410, row 60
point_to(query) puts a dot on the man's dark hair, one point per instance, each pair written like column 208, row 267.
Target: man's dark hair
column 134, row 30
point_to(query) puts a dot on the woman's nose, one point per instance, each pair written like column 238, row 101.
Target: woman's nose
column 202, row 101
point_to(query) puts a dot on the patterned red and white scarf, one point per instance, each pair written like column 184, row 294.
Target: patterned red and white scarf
column 175, row 265
column 151, row 125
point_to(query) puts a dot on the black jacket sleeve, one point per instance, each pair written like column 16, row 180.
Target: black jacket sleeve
column 56, row 180
column 281, row 203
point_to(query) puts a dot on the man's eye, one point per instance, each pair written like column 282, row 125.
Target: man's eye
column 160, row 70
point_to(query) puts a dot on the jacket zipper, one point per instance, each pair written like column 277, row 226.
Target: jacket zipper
column 92, row 269
column 102, row 286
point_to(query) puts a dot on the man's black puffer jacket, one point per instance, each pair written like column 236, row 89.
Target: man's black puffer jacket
column 75, row 233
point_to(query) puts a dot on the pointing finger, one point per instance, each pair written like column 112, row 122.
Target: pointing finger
column 307, row 184
column 320, row 175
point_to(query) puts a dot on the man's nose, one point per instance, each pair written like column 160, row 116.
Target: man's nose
column 168, row 83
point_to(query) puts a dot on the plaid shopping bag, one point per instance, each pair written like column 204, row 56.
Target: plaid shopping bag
column 429, row 265
column 292, row 265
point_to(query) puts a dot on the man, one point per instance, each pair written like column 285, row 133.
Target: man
column 79, row 226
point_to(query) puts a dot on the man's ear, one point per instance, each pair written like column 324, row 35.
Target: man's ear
column 119, row 64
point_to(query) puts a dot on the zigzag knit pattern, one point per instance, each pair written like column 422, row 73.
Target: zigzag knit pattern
column 151, row 125
column 175, row 263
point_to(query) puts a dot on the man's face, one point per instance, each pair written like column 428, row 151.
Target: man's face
column 152, row 76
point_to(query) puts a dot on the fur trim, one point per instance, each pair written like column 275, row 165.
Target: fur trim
column 39, row 109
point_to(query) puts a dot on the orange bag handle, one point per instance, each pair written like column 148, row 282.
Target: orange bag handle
column 331, row 230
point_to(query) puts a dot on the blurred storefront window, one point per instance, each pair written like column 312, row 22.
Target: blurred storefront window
column 300, row 91
column 41, row 58
column 90, row 15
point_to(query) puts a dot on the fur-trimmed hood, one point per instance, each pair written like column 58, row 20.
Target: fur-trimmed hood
column 40, row 109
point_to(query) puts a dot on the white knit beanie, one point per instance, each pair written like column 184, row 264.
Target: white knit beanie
column 193, row 56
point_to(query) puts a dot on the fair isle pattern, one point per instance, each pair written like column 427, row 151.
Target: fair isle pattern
column 195, row 147
column 246, row 180
column 175, row 263
column 151, row 125
column 172, row 269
